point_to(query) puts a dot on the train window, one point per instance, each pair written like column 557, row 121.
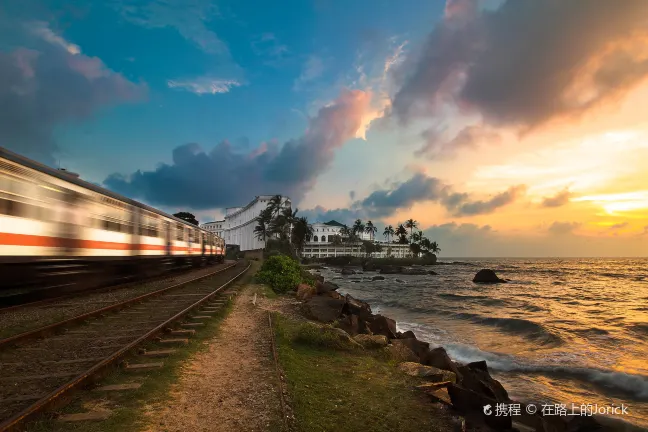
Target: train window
column 180, row 232
column 148, row 231
column 17, row 208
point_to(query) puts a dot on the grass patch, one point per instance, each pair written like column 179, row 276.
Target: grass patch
column 128, row 406
column 341, row 391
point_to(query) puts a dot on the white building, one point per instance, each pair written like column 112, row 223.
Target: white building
column 217, row 227
column 324, row 232
column 238, row 226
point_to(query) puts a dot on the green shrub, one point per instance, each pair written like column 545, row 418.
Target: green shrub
column 281, row 272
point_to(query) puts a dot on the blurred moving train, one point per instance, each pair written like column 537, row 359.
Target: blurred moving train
column 61, row 234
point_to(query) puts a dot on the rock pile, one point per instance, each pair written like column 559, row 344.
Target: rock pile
column 466, row 388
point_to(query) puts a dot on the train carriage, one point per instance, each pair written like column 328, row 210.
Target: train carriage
column 65, row 234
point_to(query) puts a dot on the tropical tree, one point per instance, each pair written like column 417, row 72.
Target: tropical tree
column 262, row 229
column 358, row 227
column 276, row 203
column 425, row 244
column 345, row 233
column 371, row 229
column 388, row 232
column 401, row 232
column 301, row 232
column 186, row 216
column 434, row 248
column 283, row 222
column 416, row 237
column 411, row 224
column 415, row 248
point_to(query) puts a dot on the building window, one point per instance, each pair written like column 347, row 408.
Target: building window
column 315, row 238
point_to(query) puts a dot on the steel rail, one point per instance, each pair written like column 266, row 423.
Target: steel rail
column 13, row 423
column 51, row 328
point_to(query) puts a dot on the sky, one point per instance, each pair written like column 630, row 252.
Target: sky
column 504, row 128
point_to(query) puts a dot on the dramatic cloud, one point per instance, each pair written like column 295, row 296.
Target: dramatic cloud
column 526, row 62
column 403, row 195
column 189, row 17
column 469, row 137
column 417, row 189
column 560, row 199
column 42, row 89
column 462, row 207
column 204, row 85
column 562, row 228
column 221, row 177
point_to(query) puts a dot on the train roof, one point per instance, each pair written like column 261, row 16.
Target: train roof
column 68, row 177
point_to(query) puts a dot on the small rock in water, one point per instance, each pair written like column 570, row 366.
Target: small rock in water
column 487, row 276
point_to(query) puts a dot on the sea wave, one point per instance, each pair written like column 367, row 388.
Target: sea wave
column 640, row 328
column 525, row 328
column 635, row 386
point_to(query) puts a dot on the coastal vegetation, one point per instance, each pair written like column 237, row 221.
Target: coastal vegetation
column 281, row 273
column 279, row 227
column 332, row 387
column 283, row 231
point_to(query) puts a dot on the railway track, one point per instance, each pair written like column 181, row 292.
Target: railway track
column 23, row 318
column 39, row 368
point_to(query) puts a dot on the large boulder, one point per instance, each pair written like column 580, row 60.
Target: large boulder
column 324, row 308
column 324, row 287
column 348, row 271
column 400, row 353
column 432, row 272
column 357, row 307
column 420, row 348
column 346, row 338
column 428, row 372
column 350, row 324
column 487, row 276
column 390, row 269
column 383, row 325
column 376, row 278
column 438, row 357
column 413, row 271
column 305, row 292
column 475, row 377
column 371, row 341
column 473, row 403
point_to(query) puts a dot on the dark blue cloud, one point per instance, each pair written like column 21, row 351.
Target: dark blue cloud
column 52, row 84
column 220, row 177
column 419, row 188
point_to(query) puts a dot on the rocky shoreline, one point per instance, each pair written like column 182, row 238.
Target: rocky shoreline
column 465, row 388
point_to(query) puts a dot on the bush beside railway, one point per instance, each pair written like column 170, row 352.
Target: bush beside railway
column 282, row 274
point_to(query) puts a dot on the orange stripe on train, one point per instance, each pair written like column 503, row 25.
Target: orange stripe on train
column 9, row 239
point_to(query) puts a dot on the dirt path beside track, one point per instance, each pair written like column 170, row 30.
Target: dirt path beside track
column 232, row 385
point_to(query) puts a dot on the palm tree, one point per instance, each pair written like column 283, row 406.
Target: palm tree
column 425, row 244
column 411, row 224
column 388, row 232
column 371, row 229
column 262, row 230
column 415, row 248
column 301, row 233
column 434, row 248
column 358, row 227
column 416, row 237
column 345, row 233
column 283, row 222
column 400, row 231
column 276, row 204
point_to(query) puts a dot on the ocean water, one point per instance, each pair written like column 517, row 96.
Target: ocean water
column 572, row 331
